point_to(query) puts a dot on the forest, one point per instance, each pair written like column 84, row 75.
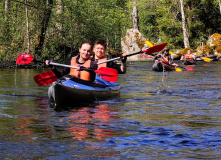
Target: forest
column 55, row 29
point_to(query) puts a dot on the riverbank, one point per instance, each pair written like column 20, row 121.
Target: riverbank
column 12, row 64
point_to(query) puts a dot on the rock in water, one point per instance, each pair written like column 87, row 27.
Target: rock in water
column 134, row 42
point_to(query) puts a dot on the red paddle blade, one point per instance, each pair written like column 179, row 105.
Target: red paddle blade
column 24, row 58
column 45, row 78
column 108, row 74
column 156, row 48
column 190, row 69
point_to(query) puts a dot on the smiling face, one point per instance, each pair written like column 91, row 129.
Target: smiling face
column 99, row 51
column 85, row 51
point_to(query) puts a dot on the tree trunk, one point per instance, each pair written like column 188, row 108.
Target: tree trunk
column 185, row 32
column 6, row 29
column 58, row 11
column 44, row 25
column 27, row 24
column 135, row 17
column 6, row 7
column 220, row 6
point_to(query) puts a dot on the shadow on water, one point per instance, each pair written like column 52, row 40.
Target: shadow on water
column 171, row 115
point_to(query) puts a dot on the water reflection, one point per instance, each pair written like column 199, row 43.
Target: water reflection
column 31, row 126
column 93, row 123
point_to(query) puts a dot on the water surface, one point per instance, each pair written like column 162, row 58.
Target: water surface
column 171, row 115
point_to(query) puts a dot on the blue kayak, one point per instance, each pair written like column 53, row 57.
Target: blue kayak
column 69, row 91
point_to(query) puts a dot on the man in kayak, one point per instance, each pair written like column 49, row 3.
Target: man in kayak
column 99, row 51
column 81, row 61
column 165, row 57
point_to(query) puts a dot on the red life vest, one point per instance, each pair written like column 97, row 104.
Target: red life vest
column 189, row 57
column 85, row 75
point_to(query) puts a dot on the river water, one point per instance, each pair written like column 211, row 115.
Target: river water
column 171, row 115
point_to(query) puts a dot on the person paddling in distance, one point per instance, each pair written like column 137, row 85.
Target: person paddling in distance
column 165, row 57
column 79, row 61
column 189, row 56
column 99, row 51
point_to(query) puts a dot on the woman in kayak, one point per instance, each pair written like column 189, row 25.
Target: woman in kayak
column 99, row 51
column 82, row 60
column 189, row 57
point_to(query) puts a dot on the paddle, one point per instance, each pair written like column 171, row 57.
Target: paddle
column 45, row 78
column 206, row 59
column 150, row 50
column 108, row 74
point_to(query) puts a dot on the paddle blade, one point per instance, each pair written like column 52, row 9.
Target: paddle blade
column 108, row 74
column 156, row 48
column 206, row 59
column 24, row 58
column 178, row 69
column 45, row 78
column 190, row 69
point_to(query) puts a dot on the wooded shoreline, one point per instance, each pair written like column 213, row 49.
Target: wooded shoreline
column 54, row 29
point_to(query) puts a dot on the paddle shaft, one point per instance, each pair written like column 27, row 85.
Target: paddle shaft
column 113, row 59
column 103, row 70
column 69, row 66
column 152, row 49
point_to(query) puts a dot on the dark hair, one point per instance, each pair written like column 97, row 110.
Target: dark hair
column 85, row 43
column 101, row 42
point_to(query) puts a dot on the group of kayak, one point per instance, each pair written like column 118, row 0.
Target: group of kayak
column 77, row 85
column 90, row 78
column 164, row 62
column 82, row 85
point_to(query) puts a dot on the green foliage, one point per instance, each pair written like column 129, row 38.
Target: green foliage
column 73, row 22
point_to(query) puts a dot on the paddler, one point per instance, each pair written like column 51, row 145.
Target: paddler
column 189, row 56
column 81, row 61
column 99, row 51
column 165, row 57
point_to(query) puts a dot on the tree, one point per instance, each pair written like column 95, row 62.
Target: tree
column 44, row 25
column 185, row 32
column 219, row 6
column 27, row 23
column 135, row 16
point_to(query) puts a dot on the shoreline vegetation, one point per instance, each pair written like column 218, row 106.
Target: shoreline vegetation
column 55, row 29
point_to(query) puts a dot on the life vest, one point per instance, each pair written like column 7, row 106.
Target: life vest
column 165, row 59
column 85, row 75
column 102, row 60
column 189, row 57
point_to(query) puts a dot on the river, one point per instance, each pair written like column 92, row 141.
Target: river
column 171, row 115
